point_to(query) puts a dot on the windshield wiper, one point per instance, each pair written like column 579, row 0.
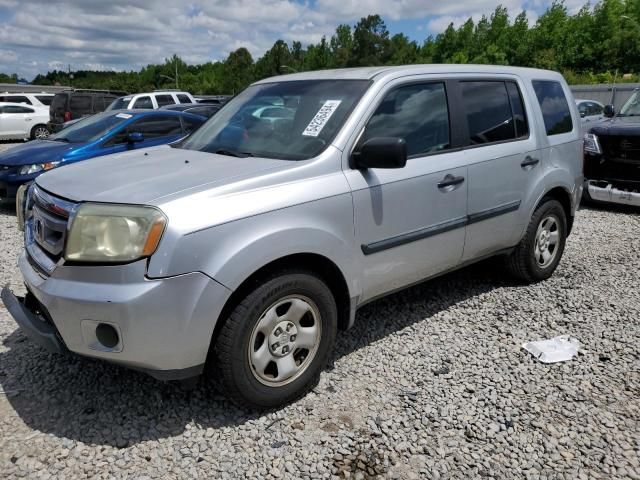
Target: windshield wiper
column 233, row 153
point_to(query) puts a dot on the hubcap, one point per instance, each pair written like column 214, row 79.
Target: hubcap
column 547, row 238
column 41, row 133
column 285, row 340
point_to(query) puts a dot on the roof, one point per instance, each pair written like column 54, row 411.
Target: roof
column 370, row 73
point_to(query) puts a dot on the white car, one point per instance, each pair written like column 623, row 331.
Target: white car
column 151, row 100
column 19, row 121
column 590, row 110
column 35, row 99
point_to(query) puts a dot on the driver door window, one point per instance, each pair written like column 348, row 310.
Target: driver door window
column 143, row 102
column 417, row 113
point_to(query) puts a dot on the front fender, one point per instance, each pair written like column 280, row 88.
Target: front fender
column 231, row 252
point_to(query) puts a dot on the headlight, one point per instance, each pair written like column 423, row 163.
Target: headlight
column 114, row 233
column 591, row 143
column 37, row 167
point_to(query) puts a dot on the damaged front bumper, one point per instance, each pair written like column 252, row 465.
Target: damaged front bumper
column 603, row 191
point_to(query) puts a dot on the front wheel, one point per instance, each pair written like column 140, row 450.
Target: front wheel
column 537, row 255
column 272, row 347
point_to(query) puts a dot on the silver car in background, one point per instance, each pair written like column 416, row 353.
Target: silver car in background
column 248, row 246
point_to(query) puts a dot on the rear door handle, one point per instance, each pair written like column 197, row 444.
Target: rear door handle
column 529, row 162
column 450, row 181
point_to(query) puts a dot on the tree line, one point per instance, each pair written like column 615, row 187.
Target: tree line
column 597, row 44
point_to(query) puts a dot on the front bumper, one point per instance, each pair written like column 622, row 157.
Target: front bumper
column 164, row 325
column 603, row 191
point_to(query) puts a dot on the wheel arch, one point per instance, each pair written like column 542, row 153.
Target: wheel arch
column 562, row 195
column 321, row 265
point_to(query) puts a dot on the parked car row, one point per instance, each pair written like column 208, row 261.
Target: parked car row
column 100, row 134
column 20, row 121
column 248, row 246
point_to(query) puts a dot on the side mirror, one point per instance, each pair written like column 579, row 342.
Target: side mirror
column 583, row 114
column 381, row 152
column 135, row 137
column 609, row 111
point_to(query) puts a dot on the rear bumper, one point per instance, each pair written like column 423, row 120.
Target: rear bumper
column 164, row 326
column 54, row 127
column 603, row 191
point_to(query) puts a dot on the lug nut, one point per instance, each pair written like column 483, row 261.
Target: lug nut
column 292, row 338
column 275, row 346
column 278, row 332
column 285, row 349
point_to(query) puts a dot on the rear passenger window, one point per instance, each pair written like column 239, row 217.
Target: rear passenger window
column 164, row 100
column 417, row 113
column 554, row 106
column 488, row 110
column 80, row 103
column 17, row 99
column 183, row 98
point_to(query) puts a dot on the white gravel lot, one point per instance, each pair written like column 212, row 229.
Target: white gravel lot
column 431, row 383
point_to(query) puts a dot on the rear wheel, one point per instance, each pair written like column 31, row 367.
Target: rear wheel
column 274, row 344
column 39, row 132
column 537, row 255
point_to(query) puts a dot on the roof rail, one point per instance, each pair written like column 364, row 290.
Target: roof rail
column 168, row 90
column 93, row 90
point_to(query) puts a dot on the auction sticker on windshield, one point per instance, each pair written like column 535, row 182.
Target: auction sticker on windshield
column 123, row 115
column 321, row 118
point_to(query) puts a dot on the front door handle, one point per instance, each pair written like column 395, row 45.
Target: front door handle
column 450, row 181
column 529, row 162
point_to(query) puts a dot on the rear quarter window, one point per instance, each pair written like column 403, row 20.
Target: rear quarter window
column 555, row 108
column 183, row 98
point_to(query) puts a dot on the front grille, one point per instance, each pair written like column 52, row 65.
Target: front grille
column 46, row 227
column 621, row 149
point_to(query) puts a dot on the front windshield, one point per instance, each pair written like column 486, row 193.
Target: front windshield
column 632, row 107
column 91, row 128
column 292, row 120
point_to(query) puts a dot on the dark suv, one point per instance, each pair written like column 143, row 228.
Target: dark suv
column 612, row 156
column 73, row 104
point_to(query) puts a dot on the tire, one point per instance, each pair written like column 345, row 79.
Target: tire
column 261, row 365
column 38, row 131
column 528, row 262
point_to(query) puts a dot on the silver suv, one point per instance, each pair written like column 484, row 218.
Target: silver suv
column 248, row 246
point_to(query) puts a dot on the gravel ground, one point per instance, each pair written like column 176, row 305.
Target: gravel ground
column 431, row 383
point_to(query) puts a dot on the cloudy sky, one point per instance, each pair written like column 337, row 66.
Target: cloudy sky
column 41, row 35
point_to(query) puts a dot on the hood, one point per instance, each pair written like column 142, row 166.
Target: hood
column 37, row 151
column 617, row 126
column 144, row 176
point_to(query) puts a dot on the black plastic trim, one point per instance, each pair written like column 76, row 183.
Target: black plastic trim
column 170, row 375
column 493, row 212
column 427, row 232
column 413, row 236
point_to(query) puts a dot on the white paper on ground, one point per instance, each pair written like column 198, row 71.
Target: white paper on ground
column 557, row 349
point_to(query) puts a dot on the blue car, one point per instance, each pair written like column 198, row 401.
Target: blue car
column 101, row 134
